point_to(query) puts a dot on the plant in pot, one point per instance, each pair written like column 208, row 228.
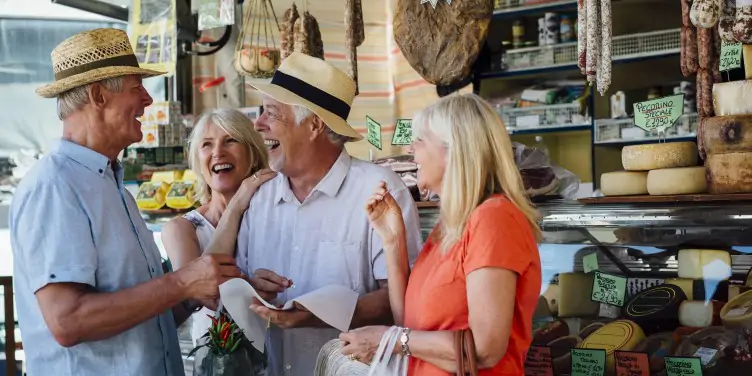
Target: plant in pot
column 229, row 352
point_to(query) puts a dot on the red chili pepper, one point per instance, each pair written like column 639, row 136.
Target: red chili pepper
column 225, row 334
column 213, row 319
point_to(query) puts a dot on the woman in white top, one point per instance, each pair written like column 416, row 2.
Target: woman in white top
column 230, row 162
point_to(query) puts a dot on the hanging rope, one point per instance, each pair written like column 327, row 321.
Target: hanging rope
column 255, row 57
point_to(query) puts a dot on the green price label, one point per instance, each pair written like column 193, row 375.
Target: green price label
column 590, row 262
column 374, row 132
column 679, row 366
column 659, row 114
column 588, row 362
column 403, row 132
column 609, row 289
column 731, row 56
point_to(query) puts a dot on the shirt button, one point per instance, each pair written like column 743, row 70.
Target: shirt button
column 288, row 367
column 152, row 270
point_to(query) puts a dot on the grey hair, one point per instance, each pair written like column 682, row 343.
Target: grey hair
column 302, row 113
column 73, row 100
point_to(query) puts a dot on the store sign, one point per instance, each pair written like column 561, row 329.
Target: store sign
column 631, row 363
column 588, row 362
column 683, row 366
column 374, row 132
column 538, row 362
column 609, row 289
column 659, row 114
column 403, row 132
column 731, row 56
column 590, row 263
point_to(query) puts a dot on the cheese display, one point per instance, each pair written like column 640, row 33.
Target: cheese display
column 698, row 289
column 664, row 155
column 700, row 313
column 658, row 346
column 677, row 181
column 729, row 173
column 737, row 313
column 716, row 338
column 727, row 134
column 656, row 309
column 623, row 335
column 574, row 300
column 561, row 352
column 704, row 264
column 732, row 98
column 624, row 183
column 736, row 290
column 552, row 297
column 590, row 329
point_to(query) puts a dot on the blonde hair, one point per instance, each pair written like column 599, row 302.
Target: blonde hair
column 480, row 162
column 239, row 127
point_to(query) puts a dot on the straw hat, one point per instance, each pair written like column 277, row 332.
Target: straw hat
column 92, row 56
column 317, row 85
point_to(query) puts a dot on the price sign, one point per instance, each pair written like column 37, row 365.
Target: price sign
column 590, row 262
column 403, row 132
column 538, row 362
column 374, row 132
column 631, row 363
column 659, row 114
column 731, row 56
column 683, row 366
column 609, row 289
column 587, row 362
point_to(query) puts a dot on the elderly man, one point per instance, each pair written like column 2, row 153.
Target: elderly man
column 92, row 297
column 308, row 225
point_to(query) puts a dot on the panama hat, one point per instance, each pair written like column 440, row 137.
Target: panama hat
column 92, row 56
column 317, row 85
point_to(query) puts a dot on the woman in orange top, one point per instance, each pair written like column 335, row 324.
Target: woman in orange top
column 480, row 267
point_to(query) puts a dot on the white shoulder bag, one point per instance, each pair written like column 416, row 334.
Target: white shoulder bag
column 331, row 362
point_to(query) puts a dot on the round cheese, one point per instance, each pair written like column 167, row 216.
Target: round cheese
column 729, row 173
column 624, row 183
column 623, row 335
column 700, row 313
column 699, row 289
column 561, row 351
column 552, row 331
column 677, row 181
column 732, row 98
column 738, row 312
column 590, row 329
column 727, row 134
column 574, row 300
column 707, row 264
column 654, row 156
column 657, row 347
column 656, row 309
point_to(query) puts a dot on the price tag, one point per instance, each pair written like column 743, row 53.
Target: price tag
column 682, row 366
column 631, row 363
column 609, row 289
column 731, row 56
column 538, row 362
column 403, row 132
column 659, row 114
column 590, row 262
column 706, row 355
column 588, row 362
column 374, row 132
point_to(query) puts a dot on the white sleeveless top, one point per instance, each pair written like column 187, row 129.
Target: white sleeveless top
column 204, row 232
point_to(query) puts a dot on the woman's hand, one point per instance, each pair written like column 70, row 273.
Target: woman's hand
column 385, row 215
column 242, row 198
column 361, row 344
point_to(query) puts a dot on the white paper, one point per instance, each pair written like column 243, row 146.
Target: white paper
column 332, row 304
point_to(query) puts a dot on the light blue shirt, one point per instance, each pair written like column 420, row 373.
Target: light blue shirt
column 71, row 220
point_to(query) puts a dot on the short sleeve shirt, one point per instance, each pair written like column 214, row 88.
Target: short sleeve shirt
column 497, row 235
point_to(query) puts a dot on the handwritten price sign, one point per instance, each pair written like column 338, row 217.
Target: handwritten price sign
column 403, row 132
column 587, row 362
column 679, row 366
column 631, row 364
column 609, row 289
column 731, row 56
column 374, row 132
column 660, row 113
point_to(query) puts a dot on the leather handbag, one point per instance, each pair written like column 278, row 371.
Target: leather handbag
column 464, row 346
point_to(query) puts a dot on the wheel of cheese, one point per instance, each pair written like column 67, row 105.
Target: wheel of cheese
column 727, row 134
column 729, row 173
column 552, row 331
column 574, row 299
column 707, row 264
column 700, row 313
column 700, row 289
column 737, row 313
column 654, row 156
column 590, row 329
column 658, row 346
column 624, row 183
column 677, row 181
column 561, row 352
column 656, row 309
column 623, row 335
column 732, row 98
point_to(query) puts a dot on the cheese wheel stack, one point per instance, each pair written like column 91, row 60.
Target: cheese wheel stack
column 727, row 138
column 702, row 266
column 669, row 168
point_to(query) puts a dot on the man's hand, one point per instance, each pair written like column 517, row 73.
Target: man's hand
column 298, row 317
column 268, row 283
column 201, row 277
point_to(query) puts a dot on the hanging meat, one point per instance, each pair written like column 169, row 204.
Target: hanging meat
column 354, row 36
column 307, row 38
column 596, row 48
column 705, row 14
column 726, row 23
column 743, row 23
column 287, row 30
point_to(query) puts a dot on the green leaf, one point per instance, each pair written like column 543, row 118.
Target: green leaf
column 235, row 346
column 195, row 349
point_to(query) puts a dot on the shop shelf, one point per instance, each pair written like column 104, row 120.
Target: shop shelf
column 612, row 131
column 544, row 119
column 563, row 56
column 518, row 8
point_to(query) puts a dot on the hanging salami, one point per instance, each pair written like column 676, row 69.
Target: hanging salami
column 705, row 14
column 604, row 68
column 726, row 23
column 287, row 31
column 582, row 36
column 743, row 21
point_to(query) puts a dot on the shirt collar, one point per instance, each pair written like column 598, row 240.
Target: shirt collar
column 97, row 163
column 329, row 185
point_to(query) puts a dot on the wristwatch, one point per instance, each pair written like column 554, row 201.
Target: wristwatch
column 404, row 338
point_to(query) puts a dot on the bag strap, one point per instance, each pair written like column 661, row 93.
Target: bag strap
column 464, row 345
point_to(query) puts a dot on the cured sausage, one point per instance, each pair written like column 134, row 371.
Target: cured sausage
column 683, row 57
column 593, row 40
column 692, row 53
column 287, row 31
column 704, row 93
column 726, row 23
column 716, row 56
column 705, row 48
column 705, row 13
column 686, row 5
column 743, row 23
column 604, row 68
column 582, row 36
column 315, row 44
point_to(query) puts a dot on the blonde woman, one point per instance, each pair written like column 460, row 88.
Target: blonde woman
column 480, row 268
column 230, row 162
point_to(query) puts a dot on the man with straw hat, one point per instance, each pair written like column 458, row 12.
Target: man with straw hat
column 319, row 234
column 92, row 296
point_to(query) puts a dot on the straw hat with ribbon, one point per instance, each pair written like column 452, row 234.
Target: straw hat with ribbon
column 92, row 56
column 317, row 85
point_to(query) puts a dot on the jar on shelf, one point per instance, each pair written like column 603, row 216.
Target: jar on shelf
column 518, row 34
column 566, row 31
column 552, row 28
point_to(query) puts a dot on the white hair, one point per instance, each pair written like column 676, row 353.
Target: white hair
column 302, row 113
column 73, row 100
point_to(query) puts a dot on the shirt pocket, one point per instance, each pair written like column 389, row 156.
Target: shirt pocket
column 339, row 263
